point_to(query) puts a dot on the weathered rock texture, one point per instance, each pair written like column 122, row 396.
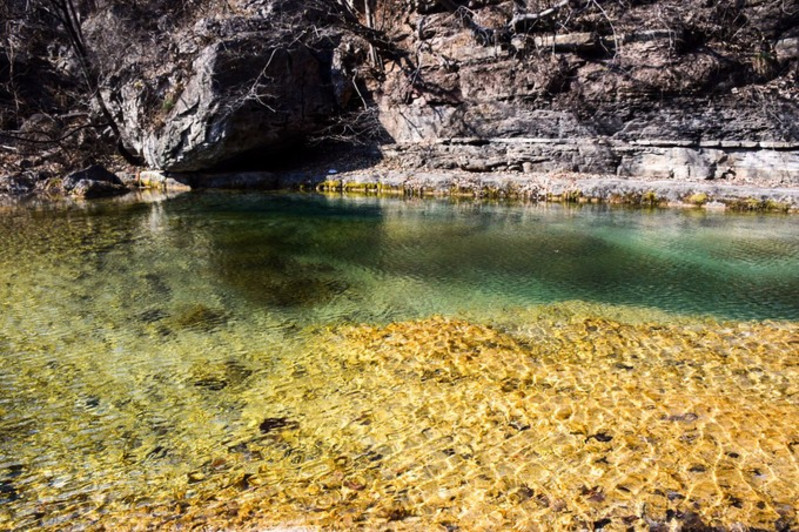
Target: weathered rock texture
column 243, row 84
column 93, row 182
column 184, row 87
column 685, row 90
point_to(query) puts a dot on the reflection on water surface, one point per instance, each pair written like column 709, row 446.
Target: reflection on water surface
column 276, row 359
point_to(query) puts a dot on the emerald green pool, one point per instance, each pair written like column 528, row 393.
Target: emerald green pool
column 133, row 336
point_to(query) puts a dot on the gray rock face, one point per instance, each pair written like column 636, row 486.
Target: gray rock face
column 671, row 90
column 696, row 163
column 242, row 86
column 666, row 89
column 219, row 115
column 764, row 162
column 93, row 182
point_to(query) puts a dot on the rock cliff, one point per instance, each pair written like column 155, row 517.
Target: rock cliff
column 234, row 86
column 686, row 90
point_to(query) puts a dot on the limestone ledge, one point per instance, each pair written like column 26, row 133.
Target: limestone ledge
column 553, row 187
column 767, row 163
column 160, row 180
column 563, row 187
column 720, row 174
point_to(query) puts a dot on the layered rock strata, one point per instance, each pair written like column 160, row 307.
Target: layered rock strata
column 671, row 90
column 674, row 90
column 652, row 92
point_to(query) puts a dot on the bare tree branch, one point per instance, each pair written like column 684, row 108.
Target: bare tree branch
column 58, row 140
column 528, row 17
column 67, row 14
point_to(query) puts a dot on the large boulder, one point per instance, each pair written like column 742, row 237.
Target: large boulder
column 226, row 88
column 93, row 182
column 242, row 96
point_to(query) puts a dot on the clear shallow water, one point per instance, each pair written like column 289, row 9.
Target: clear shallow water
column 138, row 344
column 440, row 257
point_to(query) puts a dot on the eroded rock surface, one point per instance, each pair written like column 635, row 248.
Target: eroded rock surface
column 245, row 85
column 658, row 89
column 93, row 182
column 685, row 90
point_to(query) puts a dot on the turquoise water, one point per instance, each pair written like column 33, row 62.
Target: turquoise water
column 441, row 257
column 133, row 337
column 368, row 259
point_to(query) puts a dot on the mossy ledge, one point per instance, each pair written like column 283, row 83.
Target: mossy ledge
column 561, row 188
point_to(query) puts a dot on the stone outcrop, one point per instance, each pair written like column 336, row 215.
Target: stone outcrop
column 666, row 89
column 565, row 187
column 234, row 87
column 219, row 116
column 670, row 90
column 653, row 92
column 93, row 182
column 742, row 161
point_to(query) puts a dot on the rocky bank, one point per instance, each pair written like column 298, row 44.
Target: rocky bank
column 675, row 92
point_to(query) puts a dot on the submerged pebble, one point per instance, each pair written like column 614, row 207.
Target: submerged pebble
column 272, row 424
column 211, row 383
column 152, row 315
column 8, row 492
column 521, row 436
column 198, row 316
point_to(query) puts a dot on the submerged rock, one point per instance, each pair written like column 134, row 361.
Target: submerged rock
column 211, row 383
column 217, row 376
column 272, row 424
column 8, row 493
column 152, row 315
column 266, row 276
column 198, row 316
column 301, row 292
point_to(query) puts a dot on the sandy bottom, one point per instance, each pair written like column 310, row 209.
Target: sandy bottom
column 545, row 423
